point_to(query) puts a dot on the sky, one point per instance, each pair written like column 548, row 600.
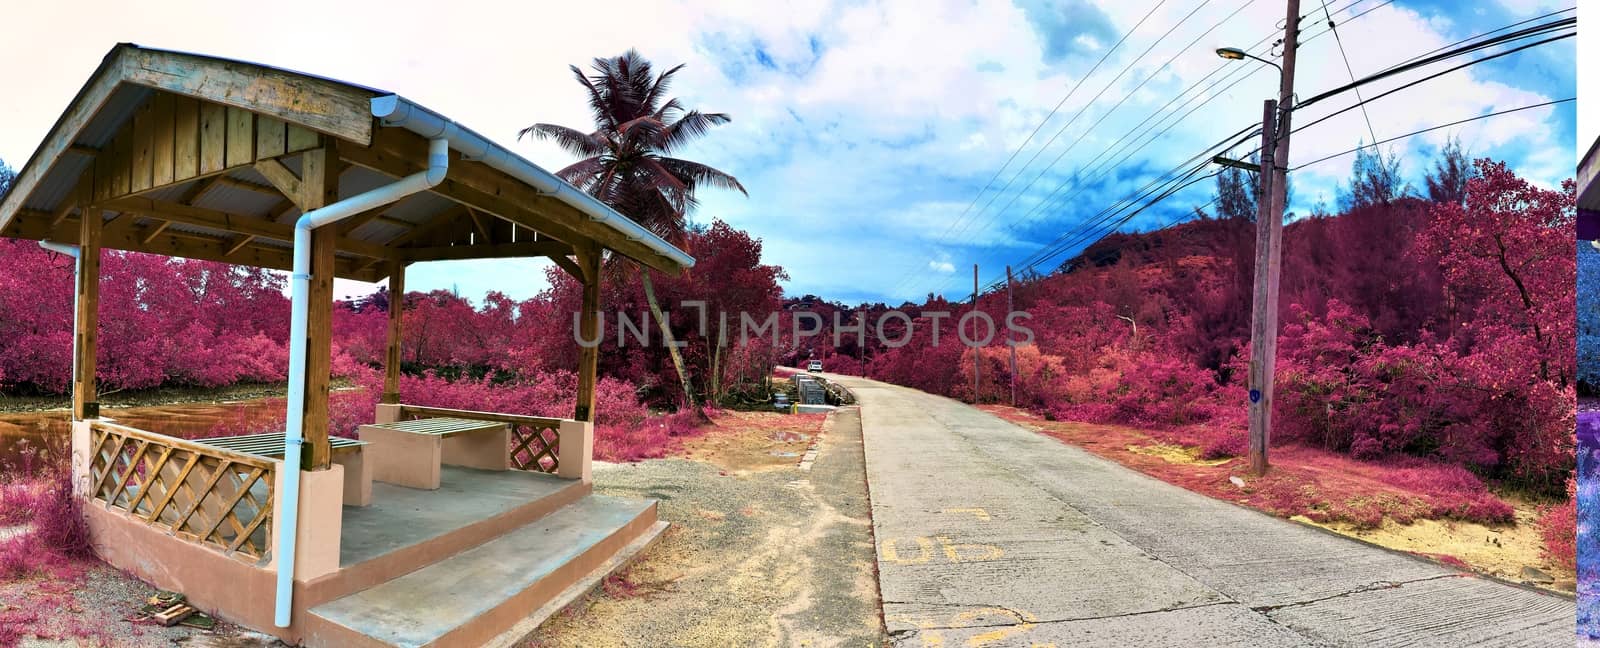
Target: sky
column 887, row 146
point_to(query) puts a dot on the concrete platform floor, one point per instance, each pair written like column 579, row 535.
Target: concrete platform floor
column 400, row 517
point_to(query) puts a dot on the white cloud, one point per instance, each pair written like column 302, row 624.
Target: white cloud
column 864, row 130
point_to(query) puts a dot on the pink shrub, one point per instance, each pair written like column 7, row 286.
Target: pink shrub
column 56, row 532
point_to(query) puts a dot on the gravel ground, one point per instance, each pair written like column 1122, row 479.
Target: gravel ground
column 775, row 557
column 97, row 605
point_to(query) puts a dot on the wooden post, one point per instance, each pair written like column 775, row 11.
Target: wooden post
column 977, row 352
column 86, row 322
column 1262, row 301
column 391, row 356
column 1269, row 247
column 1010, row 306
column 588, row 329
column 319, row 185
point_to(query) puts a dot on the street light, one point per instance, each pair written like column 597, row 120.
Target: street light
column 1269, row 239
column 1236, row 54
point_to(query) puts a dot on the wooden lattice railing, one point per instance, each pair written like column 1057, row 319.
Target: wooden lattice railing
column 535, row 440
column 197, row 492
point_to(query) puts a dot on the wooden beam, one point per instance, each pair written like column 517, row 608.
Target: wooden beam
column 198, row 190
column 571, row 267
column 160, row 227
column 233, row 223
column 185, row 244
column 391, row 352
column 588, row 329
column 315, row 103
column 477, row 223
column 86, row 322
column 320, row 185
column 548, row 247
column 238, row 244
column 280, row 176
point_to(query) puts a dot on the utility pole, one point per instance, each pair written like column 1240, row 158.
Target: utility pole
column 1269, row 246
column 977, row 352
column 1011, row 308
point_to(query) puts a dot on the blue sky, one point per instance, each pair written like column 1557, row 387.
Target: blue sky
column 866, row 132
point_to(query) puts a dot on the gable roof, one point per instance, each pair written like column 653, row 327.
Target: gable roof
column 189, row 155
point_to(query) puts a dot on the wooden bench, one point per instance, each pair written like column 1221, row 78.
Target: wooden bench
column 346, row 452
column 410, row 453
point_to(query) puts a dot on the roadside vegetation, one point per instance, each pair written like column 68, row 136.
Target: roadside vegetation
column 1426, row 342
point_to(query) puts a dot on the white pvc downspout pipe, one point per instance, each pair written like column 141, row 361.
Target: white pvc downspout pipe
column 77, row 278
column 396, row 111
column 300, row 289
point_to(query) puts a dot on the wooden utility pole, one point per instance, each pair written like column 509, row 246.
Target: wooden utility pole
column 977, row 355
column 1269, row 246
column 1010, row 308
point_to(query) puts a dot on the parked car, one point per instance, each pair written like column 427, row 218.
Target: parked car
column 814, row 366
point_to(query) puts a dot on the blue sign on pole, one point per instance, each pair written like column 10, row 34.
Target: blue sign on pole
column 1255, row 396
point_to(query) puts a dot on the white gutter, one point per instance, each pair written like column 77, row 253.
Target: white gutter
column 77, row 278
column 300, row 288
column 397, row 111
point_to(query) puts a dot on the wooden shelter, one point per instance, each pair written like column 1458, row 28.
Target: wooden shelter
column 195, row 156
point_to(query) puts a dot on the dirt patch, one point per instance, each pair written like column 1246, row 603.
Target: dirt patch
column 760, row 553
column 745, row 442
column 1316, row 487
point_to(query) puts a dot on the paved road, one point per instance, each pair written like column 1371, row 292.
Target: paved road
column 992, row 535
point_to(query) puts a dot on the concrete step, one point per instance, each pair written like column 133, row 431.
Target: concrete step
column 477, row 594
column 405, row 529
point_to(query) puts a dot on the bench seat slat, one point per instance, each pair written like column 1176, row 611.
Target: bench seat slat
column 441, row 426
column 270, row 444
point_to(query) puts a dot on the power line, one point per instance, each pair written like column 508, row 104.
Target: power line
column 1347, row 68
column 1164, row 184
column 944, row 236
column 1113, row 108
column 1199, row 83
column 1411, row 64
column 1435, row 58
column 1434, row 128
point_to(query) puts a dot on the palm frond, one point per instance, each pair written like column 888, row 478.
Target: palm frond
column 659, row 87
column 569, row 139
column 584, row 173
column 697, row 174
column 692, row 125
column 598, row 105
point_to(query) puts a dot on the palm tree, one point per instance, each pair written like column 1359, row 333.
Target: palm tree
column 625, row 162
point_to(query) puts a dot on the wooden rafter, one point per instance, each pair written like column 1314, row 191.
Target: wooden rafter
column 549, row 248
column 235, row 223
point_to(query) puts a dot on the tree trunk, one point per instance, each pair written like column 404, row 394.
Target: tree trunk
column 666, row 337
column 716, row 361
